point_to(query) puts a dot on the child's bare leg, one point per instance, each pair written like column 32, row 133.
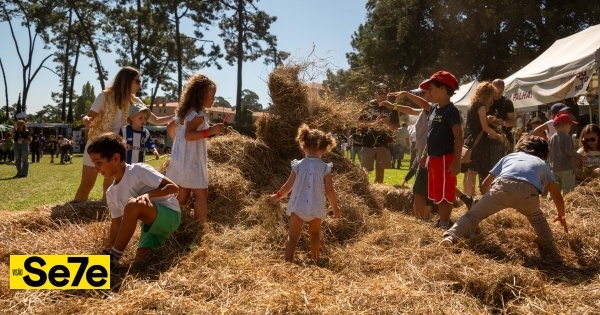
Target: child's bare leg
column 293, row 236
column 469, row 182
column 314, row 230
column 445, row 211
column 183, row 195
column 201, row 205
column 420, row 208
column 132, row 212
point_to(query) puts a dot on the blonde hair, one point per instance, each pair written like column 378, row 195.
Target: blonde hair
column 483, row 93
column 314, row 139
column 120, row 88
column 194, row 93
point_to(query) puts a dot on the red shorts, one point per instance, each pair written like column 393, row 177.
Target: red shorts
column 441, row 183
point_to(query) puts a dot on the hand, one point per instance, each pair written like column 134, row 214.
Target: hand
column 423, row 161
column 273, row 198
column 217, row 128
column 87, row 121
column 386, row 104
column 336, row 212
column 142, row 199
column 455, row 167
column 563, row 222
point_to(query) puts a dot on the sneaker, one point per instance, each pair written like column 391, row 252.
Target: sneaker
column 448, row 241
column 114, row 260
column 444, row 226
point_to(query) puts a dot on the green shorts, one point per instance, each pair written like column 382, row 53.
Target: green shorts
column 166, row 222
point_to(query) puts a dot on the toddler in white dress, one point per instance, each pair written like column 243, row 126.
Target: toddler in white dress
column 309, row 182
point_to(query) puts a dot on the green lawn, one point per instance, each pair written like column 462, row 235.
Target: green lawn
column 46, row 184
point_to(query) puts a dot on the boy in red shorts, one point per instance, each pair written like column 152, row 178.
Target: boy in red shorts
column 444, row 143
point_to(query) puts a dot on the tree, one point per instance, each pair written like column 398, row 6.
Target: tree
column 404, row 41
column 222, row 102
column 20, row 9
column 250, row 101
column 243, row 33
column 84, row 101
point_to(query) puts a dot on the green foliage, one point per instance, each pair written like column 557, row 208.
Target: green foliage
column 403, row 41
column 250, row 101
column 222, row 102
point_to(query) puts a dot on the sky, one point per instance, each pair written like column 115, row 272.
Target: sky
column 314, row 31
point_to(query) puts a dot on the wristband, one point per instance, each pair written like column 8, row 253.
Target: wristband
column 204, row 133
column 278, row 194
column 395, row 106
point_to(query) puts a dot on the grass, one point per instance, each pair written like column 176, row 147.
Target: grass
column 46, row 184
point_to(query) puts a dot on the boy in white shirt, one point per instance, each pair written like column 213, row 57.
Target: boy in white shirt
column 139, row 192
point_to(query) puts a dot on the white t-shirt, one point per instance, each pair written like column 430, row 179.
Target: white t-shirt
column 551, row 129
column 97, row 107
column 138, row 179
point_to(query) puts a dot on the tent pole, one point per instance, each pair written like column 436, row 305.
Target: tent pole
column 597, row 55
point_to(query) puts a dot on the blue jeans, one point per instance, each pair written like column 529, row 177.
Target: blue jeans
column 22, row 158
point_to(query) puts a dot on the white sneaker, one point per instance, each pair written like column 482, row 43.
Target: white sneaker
column 448, row 241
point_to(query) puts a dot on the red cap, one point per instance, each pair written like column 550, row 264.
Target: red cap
column 563, row 119
column 443, row 77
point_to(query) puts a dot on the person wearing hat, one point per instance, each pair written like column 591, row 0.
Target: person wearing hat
column 562, row 153
column 533, row 124
column 420, row 97
column 547, row 130
column 444, row 144
column 136, row 136
column 375, row 153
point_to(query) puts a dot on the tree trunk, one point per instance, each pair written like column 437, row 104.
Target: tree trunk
column 90, row 42
column 72, row 84
column 239, row 117
column 66, row 62
column 5, row 89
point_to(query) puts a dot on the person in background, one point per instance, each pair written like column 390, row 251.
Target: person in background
column 546, row 130
column 22, row 138
column 356, row 139
column 502, row 112
column 533, row 124
column 422, row 98
column 401, row 145
column 375, row 153
column 563, row 154
column 108, row 114
column 35, row 147
column 590, row 148
column 310, row 182
column 516, row 182
column 136, row 136
column 9, row 155
column 52, row 146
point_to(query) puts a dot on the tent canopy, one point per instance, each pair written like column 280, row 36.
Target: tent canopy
column 462, row 97
column 562, row 71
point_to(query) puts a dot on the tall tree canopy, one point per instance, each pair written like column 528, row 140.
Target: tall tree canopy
column 403, row 41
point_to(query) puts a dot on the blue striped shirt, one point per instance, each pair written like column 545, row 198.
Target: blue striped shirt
column 137, row 142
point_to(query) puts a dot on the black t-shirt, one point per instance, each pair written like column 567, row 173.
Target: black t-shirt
column 501, row 108
column 357, row 139
column 440, row 139
column 473, row 124
column 21, row 135
column 376, row 138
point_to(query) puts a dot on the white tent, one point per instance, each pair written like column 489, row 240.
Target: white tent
column 562, row 71
column 462, row 97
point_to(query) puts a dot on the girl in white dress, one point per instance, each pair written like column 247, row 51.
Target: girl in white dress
column 188, row 165
column 309, row 182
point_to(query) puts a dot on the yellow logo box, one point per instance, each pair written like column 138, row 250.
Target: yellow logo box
column 59, row 272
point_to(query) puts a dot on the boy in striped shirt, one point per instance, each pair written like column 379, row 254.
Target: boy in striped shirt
column 136, row 136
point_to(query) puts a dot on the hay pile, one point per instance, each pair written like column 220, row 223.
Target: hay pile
column 376, row 259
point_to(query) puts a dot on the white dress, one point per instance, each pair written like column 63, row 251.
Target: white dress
column 188, row 165
column 308, row 191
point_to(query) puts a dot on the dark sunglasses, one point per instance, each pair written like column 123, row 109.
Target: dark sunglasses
column 138, row 81
column 592, row 139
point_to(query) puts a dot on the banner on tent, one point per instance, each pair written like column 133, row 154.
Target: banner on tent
column 551, row 90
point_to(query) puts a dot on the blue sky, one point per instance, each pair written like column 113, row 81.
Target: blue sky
column 311, row 30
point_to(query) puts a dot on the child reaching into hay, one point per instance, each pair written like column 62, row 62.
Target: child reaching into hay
column 138, row 192
column 310, row 181
column 516, row 182
column 188, row 165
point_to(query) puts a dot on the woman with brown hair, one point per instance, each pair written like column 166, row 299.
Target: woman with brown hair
column 590, row 147
column 108, row 114
column 22, row 138
column 479, row 135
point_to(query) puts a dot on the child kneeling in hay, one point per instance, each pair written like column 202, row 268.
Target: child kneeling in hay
column 310, row 181
column 516, row 182
column 138, row 192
